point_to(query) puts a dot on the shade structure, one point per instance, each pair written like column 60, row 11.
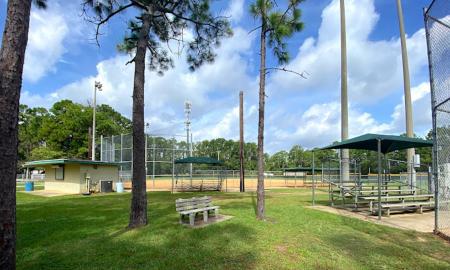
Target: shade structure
column 199, row 160
column 382, row 144
column 389, row 143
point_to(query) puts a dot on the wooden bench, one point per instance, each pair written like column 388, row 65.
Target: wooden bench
column 190, row 207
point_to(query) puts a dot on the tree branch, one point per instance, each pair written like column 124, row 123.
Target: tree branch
column 120, row 9
column 288, row 70
column 254, row 29
column 180, row 16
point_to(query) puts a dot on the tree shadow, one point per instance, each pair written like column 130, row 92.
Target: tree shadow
column 254, row 203
column 74, row 233
column 378, row 247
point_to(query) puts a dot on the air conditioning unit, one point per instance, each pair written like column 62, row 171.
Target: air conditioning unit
column 106, row 186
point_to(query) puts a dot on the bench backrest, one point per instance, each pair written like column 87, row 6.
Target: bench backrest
column 193, row 203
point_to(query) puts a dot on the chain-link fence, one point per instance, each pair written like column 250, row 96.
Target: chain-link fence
column 160, row 153
column 437, row 25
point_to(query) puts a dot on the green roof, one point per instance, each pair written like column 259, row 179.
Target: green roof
column 389, row 143
column 67, row 161
column 199, row 160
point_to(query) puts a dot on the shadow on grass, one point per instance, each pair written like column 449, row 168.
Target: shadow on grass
column 86, row 233
column 254, row 203
column 374, row 246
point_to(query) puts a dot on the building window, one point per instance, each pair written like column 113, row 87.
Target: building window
column 59, row 173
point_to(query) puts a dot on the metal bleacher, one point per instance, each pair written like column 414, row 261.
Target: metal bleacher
column 394, row 196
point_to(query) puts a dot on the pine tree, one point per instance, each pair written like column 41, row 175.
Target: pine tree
column 275, row 27
column 12, row 55
column 160, row 23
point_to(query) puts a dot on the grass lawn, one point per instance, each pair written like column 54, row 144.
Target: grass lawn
column 74, row 232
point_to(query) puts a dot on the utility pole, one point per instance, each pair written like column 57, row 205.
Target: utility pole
column 345, row 168
column 407, row 92
column 241, row 141
column 187, row 112
column 98, row 86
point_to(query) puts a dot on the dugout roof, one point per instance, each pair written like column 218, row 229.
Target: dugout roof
column 389, row 143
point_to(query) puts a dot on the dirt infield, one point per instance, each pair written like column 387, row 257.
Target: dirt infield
column 230, row 184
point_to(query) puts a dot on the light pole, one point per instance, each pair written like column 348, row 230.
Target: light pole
column 345, row 168
column 98, row 86
column 407, row 92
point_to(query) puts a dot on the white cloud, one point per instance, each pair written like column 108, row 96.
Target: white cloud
column 298, row 111
column 235, row 10
column 211, row 87
column 374, row 67
column 421, row 100
column 50, row 32
column 320, row 124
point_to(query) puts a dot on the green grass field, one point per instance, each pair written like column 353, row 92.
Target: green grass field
column 74, row 232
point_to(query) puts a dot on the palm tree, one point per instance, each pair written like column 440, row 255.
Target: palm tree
column 12, row 55
column 274, row 27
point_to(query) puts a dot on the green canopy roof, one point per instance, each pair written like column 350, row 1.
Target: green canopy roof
column 199, row 160
column 37, row 163
column 389, row 143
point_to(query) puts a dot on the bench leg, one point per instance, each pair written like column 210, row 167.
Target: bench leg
column 181, row 219
column 388, row 212
column 420, row 210
column 191, row 219
column 205, row 216
column 371, row 206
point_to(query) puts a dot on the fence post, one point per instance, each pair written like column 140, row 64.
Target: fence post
column 101, row 147
column 313, row 181
column 173, row 167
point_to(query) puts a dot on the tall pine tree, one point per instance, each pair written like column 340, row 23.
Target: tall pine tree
column 160, row 23
column 275, row 26
column 12, row 55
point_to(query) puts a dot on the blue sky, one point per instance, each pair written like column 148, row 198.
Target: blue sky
column 63, row 61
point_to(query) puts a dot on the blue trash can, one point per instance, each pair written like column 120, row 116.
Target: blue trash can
column 29, row 186
column 119, row 187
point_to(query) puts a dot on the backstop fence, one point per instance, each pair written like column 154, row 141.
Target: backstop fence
column 437, row 26
column 160, row 153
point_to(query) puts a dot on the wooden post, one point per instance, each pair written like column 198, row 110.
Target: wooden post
column 90, row 143
column 241, row 143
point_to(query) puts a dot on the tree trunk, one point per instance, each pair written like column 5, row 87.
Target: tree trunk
column 241, row 142
column 260, row 212
column 12, row 55
column 138, row 214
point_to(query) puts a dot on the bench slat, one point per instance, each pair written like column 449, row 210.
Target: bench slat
column 199, row 210
column 394, row 205
column 396, row 197
column 194, row 205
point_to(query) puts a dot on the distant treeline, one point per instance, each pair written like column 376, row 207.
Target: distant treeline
column 62, row 131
